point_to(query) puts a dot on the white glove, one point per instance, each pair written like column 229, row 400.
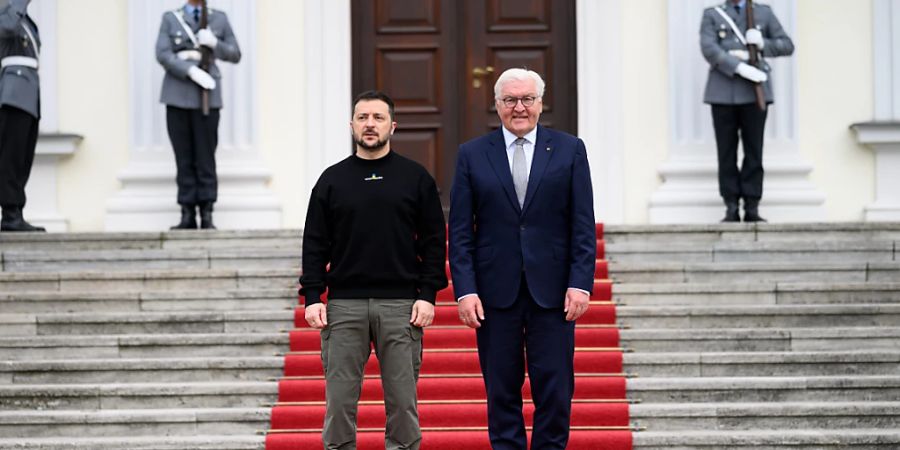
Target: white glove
column 752, row 73
column 203, row 79
column 207, row 38
column 755, row 37
column 742, row 55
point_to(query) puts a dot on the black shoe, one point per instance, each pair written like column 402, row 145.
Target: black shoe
column 14, row 221
column 188, row 218
column 206, row 222
column 731, row 211
column 751, row 211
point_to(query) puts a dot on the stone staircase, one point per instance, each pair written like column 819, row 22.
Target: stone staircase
column 761, row 337
column 741, row 336
column 145, row 340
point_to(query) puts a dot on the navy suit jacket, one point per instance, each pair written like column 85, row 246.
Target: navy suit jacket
column 551, row 240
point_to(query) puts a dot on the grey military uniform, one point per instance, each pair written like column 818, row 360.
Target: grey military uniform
column 178, row 90
column 19, row 84
column 724, row 86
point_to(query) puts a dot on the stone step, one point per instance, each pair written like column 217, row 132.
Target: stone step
column 34, row 348
column 146, row 323
column 777, row 439
column 142, row 301
column 255, row 394
column 754, row 339
column 760, row 293
column 764, row 316
column 244, row 394
column 843, row 388
column 765, row 416
column 169, row 240
column 151, row 259
column 642, row 364
column 199, row 442
column 146, row 422
column 141, row 370
column 753, row 272
column 762, row 364
column 763, row 232
column 195, row 280
column 755, row 251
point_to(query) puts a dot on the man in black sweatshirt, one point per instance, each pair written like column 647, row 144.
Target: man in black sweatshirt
column 376, row 218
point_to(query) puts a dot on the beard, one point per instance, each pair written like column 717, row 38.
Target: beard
column 378, row 145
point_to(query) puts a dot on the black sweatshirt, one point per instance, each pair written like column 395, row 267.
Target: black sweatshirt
column 380, row 225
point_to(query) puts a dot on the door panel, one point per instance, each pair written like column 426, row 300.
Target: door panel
column 439, row 61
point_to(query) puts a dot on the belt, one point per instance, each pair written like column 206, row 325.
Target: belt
column 25, row 61
column 190, row 55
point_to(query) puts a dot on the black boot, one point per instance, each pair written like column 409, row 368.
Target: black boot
column 188, row 218
column 206, row 222
column 14, row 221
column 751, row 211
column 731, row 211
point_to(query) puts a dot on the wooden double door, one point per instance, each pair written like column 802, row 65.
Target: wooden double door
column 439, row 60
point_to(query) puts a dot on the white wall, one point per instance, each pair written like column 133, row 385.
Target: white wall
column 834, row 52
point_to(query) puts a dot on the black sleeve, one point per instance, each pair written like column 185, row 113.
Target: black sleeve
column 431, row 237
column 316, row 245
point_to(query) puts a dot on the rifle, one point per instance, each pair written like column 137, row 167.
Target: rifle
column 754, row 60
column 206, row 57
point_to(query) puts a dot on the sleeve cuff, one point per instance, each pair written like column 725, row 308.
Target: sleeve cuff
column 464, row 296
column 312, row 297
column 428, row 294
column 580, row 290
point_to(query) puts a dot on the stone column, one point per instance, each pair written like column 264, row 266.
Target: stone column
column 41, row 190
column 146, row 200
column 882, row 135
column 327, row 49
column 689, row 193
column 600, row 107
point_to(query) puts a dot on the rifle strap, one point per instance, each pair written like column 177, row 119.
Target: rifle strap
column 34, row 44
column 734, row 27
column 187, row 29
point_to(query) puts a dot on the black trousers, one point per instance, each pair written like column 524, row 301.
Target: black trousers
column 747, row 123
column 194, row 139
column 18, row 138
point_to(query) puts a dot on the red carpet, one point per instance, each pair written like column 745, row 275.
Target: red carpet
column 452, row 405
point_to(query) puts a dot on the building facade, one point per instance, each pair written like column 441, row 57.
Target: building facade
column 106, row 164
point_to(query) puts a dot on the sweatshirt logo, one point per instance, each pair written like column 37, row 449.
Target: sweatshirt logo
column 373, row 177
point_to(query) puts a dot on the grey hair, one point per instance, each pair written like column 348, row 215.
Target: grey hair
column 519, row 74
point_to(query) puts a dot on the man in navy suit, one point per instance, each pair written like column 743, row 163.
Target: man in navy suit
column 522, row 250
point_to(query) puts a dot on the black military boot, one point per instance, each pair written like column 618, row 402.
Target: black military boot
column 188, row 218
column 751, row 211
column 14, row 221
column 206, row 221
column 731, row 211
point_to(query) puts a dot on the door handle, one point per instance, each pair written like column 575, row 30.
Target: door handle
column 480, row 72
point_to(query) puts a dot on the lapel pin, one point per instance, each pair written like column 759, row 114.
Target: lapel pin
column 548, row 149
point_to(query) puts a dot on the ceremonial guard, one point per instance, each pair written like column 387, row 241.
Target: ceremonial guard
column 190, row 41
column 735, row 39
column 20, row 109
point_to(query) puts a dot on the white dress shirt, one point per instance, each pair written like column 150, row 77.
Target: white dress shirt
column 530, row 139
